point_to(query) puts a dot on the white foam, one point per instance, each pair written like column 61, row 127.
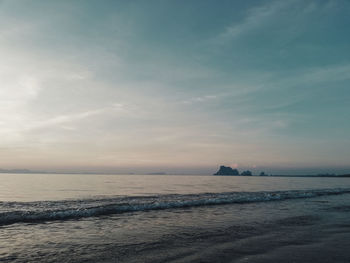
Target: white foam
column 65, row 210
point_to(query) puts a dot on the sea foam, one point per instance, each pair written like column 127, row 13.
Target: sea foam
column 32, row 212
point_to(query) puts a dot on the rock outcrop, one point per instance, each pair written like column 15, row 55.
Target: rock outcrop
column 225, row 170
column 247, row 173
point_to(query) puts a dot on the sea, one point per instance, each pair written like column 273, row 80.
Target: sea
column 173, row 218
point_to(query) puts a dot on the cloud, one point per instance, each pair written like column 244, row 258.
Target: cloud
column 200, row 99
column 70, row 118
column 327, row 73
column 255, row 18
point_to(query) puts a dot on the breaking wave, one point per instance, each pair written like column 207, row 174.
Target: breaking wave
column 32, row 212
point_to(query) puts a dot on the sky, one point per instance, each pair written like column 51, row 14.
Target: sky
column 175, row 86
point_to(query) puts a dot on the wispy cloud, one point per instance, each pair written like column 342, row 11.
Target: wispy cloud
column 327, row 73
column 255, row 18
column 200, row 99
column 63, row 120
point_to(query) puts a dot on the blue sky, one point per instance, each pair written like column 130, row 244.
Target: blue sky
column 177, row 86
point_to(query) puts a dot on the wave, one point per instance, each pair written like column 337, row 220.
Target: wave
column 33, row 212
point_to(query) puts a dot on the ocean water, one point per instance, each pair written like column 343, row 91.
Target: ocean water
column 171, row 218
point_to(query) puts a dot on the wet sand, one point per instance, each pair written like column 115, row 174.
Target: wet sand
column 322, row 236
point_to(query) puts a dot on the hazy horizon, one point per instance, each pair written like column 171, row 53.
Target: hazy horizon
column 189, row 171
column 157, row 86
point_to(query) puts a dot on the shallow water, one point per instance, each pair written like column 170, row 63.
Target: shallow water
column 142, row 218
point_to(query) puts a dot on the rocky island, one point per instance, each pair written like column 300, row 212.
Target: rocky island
column 226, row 170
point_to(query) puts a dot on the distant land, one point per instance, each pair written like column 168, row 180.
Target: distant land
column 28, row 171
column 226, row 170
column 229, row 171
column 21, row 171
column 223, row 171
